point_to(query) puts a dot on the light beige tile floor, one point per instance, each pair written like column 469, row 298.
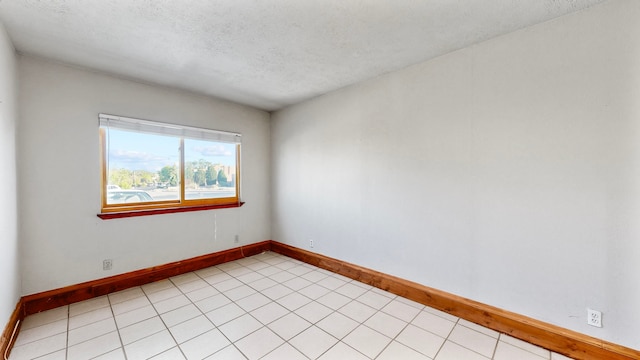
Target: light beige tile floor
column 263, row 307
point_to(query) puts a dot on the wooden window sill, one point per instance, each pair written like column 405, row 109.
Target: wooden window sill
column 134, row 213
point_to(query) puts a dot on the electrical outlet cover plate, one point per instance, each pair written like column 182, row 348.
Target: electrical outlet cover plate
column 107, row 264
column 594, row 318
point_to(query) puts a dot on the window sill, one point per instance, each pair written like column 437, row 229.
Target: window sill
column 126, row 214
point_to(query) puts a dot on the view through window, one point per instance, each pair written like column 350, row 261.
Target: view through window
column 148, row 165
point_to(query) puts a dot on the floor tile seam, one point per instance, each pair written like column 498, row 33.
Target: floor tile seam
column 529, row 352
column 131, row 289
column 406, row 325
column 46, row 354
column 169, row 349
column 237, row 348
column 144, row 337
column 130, row 311
column 71, row 345
column 133, row 309
column 300, row 332
column 478, row 331
column 495, row 346
column 48, row 322
column 18, row 344
column 280, row 317
column 108, row 351
column 146, row 286
column 358, row 351
column 186, row 291
column 148, row 336
column 260, row 291
column 356, row 320
column 396, row 317
column 197, row 308
column 49, row 353
column 521, row 348
column 90, row 309
column 277, row 347
column 192, row 337
column 445, row 339
column 440, row 315
column 246, row 335
column 319, row 328
column 169, row 298
column 324, row 317
column 117, row 329
column 362, row 303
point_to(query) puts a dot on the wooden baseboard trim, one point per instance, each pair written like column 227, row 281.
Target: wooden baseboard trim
column 555, row 338
column 70, row 294
column 10, row 332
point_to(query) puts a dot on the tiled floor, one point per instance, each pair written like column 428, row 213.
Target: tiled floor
column 263, row 307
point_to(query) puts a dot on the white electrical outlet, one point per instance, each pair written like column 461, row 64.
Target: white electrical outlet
column 594, row 318
column 107, row 264
column 310, row 243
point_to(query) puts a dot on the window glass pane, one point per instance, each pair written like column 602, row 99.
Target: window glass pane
column 209, row 169
column 141, row 167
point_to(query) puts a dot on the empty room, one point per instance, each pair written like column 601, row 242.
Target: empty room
column 291, row 180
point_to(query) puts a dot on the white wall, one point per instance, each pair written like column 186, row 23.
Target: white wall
column 507, row 172
column 64, row 242
column 9, row 253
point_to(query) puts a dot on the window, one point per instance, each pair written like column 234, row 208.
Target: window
column 156, row 166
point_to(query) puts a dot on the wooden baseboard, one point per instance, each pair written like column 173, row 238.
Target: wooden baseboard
column 10, row 332
column 555, row 338
column 70, row 294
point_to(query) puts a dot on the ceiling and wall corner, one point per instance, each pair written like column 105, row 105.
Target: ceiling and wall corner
column 266, row 54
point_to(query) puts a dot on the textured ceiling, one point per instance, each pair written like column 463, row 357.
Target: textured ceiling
column 267, row 54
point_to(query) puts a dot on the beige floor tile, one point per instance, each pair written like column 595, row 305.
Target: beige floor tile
column 150, row 346
column 94, row 347
column 238, row 328
column 505, row 351
column 285, row 351
column 367, row 341
column 263, row 307
column 204, row 345
column 313, row 342
column 397, row 351
column 259, row 343
column 453, row 351
column 525, row 346
column 473, row 340
column 289, row 326
column 45, row 317
column 385, row 324
column 91, row 331
column 433, row 323
column 140, row 330
column 420, row 340
column 270, row 312
column 38, row 348
column 342, row 351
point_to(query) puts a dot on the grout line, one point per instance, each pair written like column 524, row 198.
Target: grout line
column 352, row 299
column 113, row 316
